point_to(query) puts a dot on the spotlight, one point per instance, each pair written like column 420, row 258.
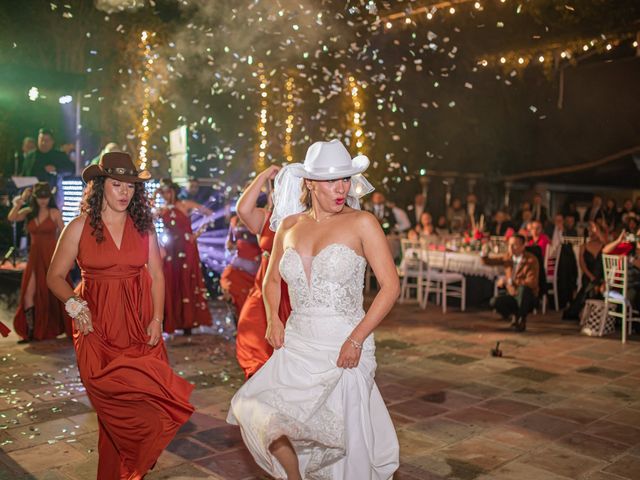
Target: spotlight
column 65, row 99
column 34, row 93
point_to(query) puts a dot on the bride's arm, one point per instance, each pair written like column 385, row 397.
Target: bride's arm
column 378, row 254
column 271, row 291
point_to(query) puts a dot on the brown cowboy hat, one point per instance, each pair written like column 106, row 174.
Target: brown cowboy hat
column 118, row 165
column 42, row 190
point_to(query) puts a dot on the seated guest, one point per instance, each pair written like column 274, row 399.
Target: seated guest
column 456, row 216
column 570, row 229
column 520, row 283
column 590, row 260
column 627, row 209
column 402, row 219
column 556, row 231
column 382, row 212
column 413, row 235
column 416, row 209
column 571, row 210
column 519, row 218
column 500, row 224
column 628, row 244
column 631, row 225
column 539, row 211
column 473, row 210
column 427, row 228
column 525, row 226
column 537, row 237
column 442, row 227
column 595, row 211
column 611, row 214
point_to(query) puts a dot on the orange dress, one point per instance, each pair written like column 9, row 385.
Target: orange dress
column 239, row 275
column 141, row 403
column 185, row 297
column 252, row 349
column 49, row 318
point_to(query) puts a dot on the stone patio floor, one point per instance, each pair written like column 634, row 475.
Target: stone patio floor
column 556, row 406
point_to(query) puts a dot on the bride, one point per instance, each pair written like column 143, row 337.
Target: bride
column 314, row 411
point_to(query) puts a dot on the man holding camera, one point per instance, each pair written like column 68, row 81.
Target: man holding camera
column 520, row 283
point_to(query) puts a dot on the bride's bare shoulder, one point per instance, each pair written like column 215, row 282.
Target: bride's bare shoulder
column 292, row 220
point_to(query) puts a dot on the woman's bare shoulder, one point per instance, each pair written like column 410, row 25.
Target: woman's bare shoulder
column 75, row 226
column 292, row 220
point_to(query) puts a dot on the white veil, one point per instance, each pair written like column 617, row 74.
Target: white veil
column 287, row 190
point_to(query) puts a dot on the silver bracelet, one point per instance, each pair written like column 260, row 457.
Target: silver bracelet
column 357, row 345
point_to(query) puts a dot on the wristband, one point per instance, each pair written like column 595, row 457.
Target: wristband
column 74, row 306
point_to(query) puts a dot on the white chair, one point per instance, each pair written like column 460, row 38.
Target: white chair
column 573, row 240
column 551, row 262
column 410, row 269
column 615, row 277
column 441, row 281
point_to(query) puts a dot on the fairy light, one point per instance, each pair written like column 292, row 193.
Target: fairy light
column 572, row 51
column 147, row 73
column 358, row 132
column 262, row 123
column 289, row 120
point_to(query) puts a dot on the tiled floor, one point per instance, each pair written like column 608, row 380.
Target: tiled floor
column 556, row 406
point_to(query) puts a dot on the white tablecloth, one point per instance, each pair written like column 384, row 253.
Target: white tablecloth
column 472, row 265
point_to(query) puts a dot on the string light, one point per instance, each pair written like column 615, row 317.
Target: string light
column 358, row 122
column 262, row 123
column 571, row 51
column 147, row 68
column 289, row 120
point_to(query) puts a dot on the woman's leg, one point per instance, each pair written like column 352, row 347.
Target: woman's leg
column 286, row 455
column 30, row 293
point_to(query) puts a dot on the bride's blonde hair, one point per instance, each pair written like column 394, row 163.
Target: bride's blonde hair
column 305, row 197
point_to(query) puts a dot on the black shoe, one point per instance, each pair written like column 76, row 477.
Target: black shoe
column 23, row 341
column 187, row 332
column 521, row 325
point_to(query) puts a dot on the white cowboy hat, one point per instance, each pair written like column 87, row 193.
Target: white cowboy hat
column 329, row 161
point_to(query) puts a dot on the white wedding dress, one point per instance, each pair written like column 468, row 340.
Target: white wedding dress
column 335, row 418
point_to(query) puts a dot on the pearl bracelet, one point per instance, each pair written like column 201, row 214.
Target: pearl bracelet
column 357, row 345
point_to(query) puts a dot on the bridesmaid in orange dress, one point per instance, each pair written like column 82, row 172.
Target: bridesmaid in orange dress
column 239, row 275
column 185, row 301
column 40, row 315
column 118, row 311
column 252, row 349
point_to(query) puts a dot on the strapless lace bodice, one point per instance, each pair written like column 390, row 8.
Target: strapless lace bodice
column 331, row 284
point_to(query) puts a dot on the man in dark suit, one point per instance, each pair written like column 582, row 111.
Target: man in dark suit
column 382, row 212
column 539, row 211
column 520, row 283
column 595, row 211
column 45, row 162
column 417, row 208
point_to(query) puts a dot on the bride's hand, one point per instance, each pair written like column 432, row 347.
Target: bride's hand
column 275, row 333
column 349, row 356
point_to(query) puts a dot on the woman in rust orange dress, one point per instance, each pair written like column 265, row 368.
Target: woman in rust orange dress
column 118, row 311
column 238, row 276
column 185, row 292
column 40, row 315
column 252, row 349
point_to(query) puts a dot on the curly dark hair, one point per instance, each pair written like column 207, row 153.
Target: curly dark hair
column 139, row 208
